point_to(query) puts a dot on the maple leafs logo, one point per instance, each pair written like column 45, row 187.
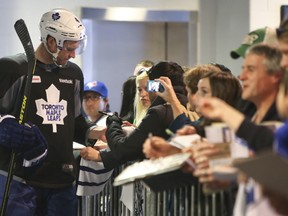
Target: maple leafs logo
column 53, row 111
column 56, row 16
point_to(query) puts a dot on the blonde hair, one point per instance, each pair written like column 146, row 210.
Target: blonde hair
column 140, row 110
column 146, row 65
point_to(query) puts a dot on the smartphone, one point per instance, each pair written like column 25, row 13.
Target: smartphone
column 154, row 86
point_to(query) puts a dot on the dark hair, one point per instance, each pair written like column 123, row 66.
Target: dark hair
column 225, row 86
column 222, row 67
column 282, row 31
column 194, row 74
column 169, row 69
column 284, row 83
column 128, row 96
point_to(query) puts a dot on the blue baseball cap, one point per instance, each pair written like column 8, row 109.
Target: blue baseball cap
column 98, row 87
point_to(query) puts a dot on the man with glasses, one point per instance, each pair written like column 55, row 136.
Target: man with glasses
column 95, row 99
column 54, row 106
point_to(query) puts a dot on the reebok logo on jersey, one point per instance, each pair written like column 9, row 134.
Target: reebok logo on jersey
column 68, row 81
column 52, row 111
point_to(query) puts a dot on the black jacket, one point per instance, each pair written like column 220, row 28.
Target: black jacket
column 129, row 148
column 258, row 137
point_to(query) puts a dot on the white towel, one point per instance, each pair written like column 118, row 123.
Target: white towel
column 92, row 178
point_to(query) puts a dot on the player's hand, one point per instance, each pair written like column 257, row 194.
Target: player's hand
column 24, row 139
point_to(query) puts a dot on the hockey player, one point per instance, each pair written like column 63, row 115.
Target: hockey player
column 54, row 106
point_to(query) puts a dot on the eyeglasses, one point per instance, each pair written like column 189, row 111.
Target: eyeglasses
column 92, row 97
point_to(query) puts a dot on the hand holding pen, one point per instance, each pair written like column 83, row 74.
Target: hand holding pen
column 112, row 118
column 180, row 146
column 155, row 147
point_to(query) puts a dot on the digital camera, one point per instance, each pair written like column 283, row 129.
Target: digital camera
column 154, row 86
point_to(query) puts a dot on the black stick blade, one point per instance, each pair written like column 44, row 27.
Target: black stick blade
column 23, row 34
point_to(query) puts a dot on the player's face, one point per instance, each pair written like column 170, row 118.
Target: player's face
column 68, row 51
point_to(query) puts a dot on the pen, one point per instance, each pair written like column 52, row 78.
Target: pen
column 180, row 146
column 104, row 113
column 169, row 132
column 172, row 135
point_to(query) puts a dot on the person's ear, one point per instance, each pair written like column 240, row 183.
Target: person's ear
column 51, row 44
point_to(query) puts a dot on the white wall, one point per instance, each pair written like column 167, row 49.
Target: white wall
column 265, row 13
column 222, row 26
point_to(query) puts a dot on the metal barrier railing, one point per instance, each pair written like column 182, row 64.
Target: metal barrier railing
column 184, row 201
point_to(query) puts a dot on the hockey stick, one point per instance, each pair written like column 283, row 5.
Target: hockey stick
column 23, row 34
